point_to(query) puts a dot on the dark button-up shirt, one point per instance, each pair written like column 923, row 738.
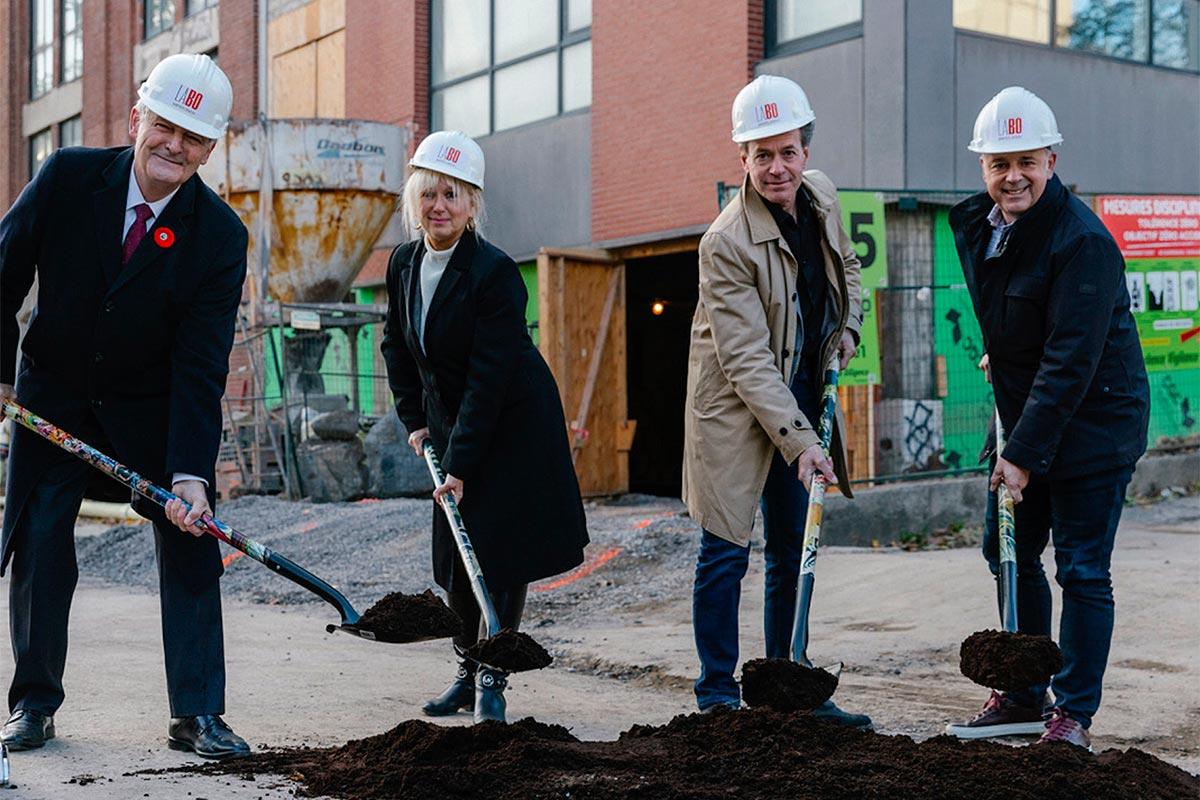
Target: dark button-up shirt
column 803, row 236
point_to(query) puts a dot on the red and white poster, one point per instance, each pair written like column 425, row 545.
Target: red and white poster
column 1153, row 226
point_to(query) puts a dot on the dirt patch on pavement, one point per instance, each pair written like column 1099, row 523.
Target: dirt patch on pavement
column 402, row 618
column 511, row 651
column 784, row 685
column 1009, row 661
column 743, row 754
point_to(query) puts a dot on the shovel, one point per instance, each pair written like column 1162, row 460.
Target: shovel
column 812, row 522
column 1008, row 660
column 207, row 523
column 1005, row 514
column 510, row 651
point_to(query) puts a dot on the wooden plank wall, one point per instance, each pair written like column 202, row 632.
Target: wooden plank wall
column 858, row 407
column 571, row 291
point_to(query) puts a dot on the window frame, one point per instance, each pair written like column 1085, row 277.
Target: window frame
column 773, row 48
column 30, row 150
column 75, row 33
column 147, row 5
column 76, row 120
column 193, row 7
column 1148, row 61
column 566, row 39
column 37, row 51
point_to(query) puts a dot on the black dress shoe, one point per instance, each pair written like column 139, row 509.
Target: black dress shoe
column 207, row 736
column 27, row 729
column 458, row 695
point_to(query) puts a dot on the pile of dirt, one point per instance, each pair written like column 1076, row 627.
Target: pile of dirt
column 784, row 685
column 511, row 651
column 742, row 754
column 400, row 618
column 1009, row 661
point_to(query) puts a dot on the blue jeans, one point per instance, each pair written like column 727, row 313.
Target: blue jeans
column 1081, row 516
column 721, row 565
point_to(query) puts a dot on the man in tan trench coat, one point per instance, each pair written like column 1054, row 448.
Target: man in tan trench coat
column 780, row 298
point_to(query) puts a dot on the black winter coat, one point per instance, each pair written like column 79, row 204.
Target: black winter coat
column 1066, row 361
column 142, row 348
column 493, row 412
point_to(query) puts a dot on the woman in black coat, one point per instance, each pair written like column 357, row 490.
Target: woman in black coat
column 465, row 374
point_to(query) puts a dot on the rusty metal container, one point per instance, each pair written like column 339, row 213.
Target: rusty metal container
column 334, row 185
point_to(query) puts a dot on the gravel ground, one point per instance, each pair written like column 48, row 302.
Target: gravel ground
column 645, row 546
column 371, row 547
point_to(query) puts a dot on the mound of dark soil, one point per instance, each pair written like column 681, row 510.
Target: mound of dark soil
column 1009, row 661
column 785, row 685
column 511, row 651
column 401, row 618
column 734, row 754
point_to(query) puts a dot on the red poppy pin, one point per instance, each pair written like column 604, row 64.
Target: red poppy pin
column 164, row 237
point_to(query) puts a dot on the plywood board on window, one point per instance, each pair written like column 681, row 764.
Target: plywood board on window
column 331, row 75
column 572, row 289
column 294, row 83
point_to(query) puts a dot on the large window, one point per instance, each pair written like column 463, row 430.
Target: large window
column 795, row 24
column 71, row 19
column 1028, row 20
column 160, row 15
column 70, row 132
column 41, row 48
column 497, row 64
column 196, row 6
column 1165, row 33
column 40, row 147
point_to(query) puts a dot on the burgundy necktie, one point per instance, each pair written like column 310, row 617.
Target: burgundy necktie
column 137, row 231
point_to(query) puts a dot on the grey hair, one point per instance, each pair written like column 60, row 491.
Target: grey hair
column 149, row 116
column 421, row 180
column 806, row 134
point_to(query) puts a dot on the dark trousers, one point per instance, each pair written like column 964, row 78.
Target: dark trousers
column 43, row 578
column 721, row 565
column 1080, row 515
column 509, row 604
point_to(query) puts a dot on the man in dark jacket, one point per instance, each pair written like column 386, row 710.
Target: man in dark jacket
column 140, row 269
column 1048, row 284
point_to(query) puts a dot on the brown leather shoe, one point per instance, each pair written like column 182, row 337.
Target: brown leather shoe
column 1061, row 728
column 27, row 729
column 999, row 716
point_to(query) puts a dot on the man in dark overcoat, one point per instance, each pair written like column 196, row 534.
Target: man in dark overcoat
column 1048, row 285
column 140, row 269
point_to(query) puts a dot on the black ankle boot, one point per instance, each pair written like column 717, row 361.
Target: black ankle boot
column 458, row 695
column 489, row 694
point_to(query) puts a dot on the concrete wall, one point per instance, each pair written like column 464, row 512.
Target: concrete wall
column 538, row 185
column 1127, row 128
column 832, row 77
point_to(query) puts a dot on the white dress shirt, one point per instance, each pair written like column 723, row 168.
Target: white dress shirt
column 133, row 199
column 433, row 265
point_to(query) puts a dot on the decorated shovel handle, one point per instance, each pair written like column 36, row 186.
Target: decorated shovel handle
column 207, row 523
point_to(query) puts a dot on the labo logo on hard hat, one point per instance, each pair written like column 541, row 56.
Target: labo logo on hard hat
column 188, row 97
column 766, row 112
column 1007, row 128
column 448, row 154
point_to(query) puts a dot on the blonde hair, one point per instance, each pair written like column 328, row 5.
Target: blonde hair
column 421, row 180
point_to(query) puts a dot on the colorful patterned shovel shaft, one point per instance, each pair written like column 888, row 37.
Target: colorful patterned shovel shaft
column 123, row 474
column 816, row 494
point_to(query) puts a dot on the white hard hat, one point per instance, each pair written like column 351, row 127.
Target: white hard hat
column 767, row 106
column 451, row 153
column 190, row 90
column 1013, row 121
